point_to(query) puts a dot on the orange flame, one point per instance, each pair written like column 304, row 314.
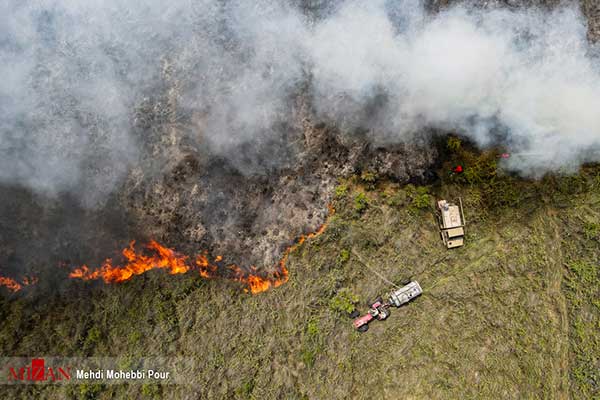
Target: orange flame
column 15, row 286
column 10, row 284
column 137, row 264
column 175, row 263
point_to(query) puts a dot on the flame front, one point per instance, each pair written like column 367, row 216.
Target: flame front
column 175, row 263
column 137, row 264
column 157, row 256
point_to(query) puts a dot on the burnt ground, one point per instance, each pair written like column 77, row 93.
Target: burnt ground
column 207, row 201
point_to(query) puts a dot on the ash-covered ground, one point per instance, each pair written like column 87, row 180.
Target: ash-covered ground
column 249, row 212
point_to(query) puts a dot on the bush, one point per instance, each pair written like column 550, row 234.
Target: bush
column 361, row 203
column 313, row 343
column 420, row 199
column 246, row 389
column 480, row 170
column 150, row 390
column 369, row 179
column 93, row 337
column 341, row 190
column 343, row 257
column 344, row 301
column 586, row 272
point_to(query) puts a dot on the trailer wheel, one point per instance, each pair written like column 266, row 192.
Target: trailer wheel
column 363, row 328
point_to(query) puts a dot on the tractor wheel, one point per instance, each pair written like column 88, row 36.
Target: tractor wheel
column 354, row 314
column 363, row 328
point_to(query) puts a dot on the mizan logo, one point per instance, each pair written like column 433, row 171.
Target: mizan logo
column 39, row 372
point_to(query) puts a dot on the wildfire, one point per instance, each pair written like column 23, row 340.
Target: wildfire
column 137, row 264
column 175, row 263
column 156, row 256
column 10, row 284
column 15, row 286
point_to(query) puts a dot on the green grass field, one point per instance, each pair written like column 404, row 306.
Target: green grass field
column 514, row 314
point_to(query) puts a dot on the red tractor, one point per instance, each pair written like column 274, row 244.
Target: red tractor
column 377, row 310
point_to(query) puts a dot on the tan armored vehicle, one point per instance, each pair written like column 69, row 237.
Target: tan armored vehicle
column 452, row 223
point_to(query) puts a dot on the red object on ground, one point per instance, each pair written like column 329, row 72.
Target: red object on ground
column 364, row 320
column 504, row 155
column 378, row 310
column 458, row 169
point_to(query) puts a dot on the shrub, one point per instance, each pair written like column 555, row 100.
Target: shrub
column 585, row 271
column 150, row 390
column 93, row 336
column 420, row 199
column 341, row 190
column 343, row 257
column 361, row 203
column 245, row 390
column 369, row 179
column 313, row 343
column 344, row 301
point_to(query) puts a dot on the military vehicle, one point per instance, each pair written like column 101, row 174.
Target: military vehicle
column 452, row 223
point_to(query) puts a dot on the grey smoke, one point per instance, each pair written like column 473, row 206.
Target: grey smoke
column 73, row 73
column 527, row 73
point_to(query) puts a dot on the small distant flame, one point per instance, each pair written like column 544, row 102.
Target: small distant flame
column 10, row 284
column 175, row 263
column 15, row 286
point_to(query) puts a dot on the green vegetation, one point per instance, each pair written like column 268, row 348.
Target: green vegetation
column 592, row 230
column 420, row 199
column 343, row 257
column 312, row 343
column 581, row 286
column 361, row 203
column 369, row 179
column 454, row 143
column 513, row 314
column 341, row 190
column 344, row 301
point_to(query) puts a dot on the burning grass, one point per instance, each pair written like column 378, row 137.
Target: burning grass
column 10, row 284
column 161, row 257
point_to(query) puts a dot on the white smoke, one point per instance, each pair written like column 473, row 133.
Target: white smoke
column 526, row 75
column 73, row 73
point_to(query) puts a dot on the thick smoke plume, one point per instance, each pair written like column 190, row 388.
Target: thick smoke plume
column 73, row 73
column 525, row 79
